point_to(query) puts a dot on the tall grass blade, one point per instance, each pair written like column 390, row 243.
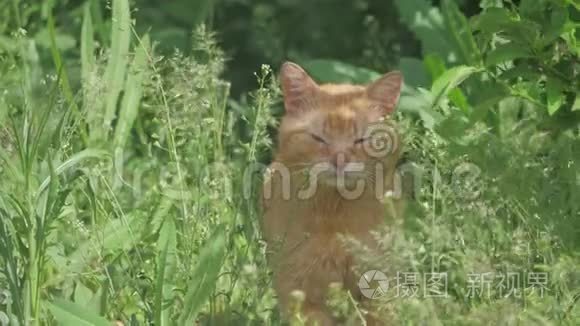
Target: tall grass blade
column 133, row 92
column 204, row 276
column 166, row 264
column 88, row 61
column 62, row 72
column 93, row 104
column 461, row 33
column 101, row 28
column 87, row 44
column 117, row 64
column 7, row 165
column 10, row 264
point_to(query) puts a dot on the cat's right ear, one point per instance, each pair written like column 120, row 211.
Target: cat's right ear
column 298, row 88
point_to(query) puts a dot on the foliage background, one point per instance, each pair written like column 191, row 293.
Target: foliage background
column 125, row 127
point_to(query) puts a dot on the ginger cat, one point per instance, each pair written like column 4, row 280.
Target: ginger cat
column 336, row 159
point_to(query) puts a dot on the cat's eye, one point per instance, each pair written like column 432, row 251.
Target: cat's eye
column 318, row 138
column 360, row 140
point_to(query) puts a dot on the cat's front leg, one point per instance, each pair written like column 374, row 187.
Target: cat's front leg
column 302, row 285
column 317, row 315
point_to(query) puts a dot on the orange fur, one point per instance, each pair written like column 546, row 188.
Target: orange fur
column 324, row 124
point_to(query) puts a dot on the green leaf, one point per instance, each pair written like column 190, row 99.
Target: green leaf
column 491, row 20
column 571, row 40
column 85, row 297
column 522, row 31
column 530, row 91
column 166, row 265
column 523, row 71
column 574, row 3
column 533, row 9
column 74, row 160
column 459, row 99
column 133, row 93
column 490, row 94
column 68, row 313
column 117, row 64
column 435, row 65
column 506, row 52
column 559, row 24
column 449, row 81
column 98, row 302
column 418, row 101
column 82, row 294
column 554, row 96
column 576, row 104
column 333, row 71
column 204, row 276
column 453, row 127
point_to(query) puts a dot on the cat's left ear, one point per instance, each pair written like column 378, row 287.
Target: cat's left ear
column 385, row 92
column 298, row 88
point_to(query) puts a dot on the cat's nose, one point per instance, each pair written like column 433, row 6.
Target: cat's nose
column 339, row 160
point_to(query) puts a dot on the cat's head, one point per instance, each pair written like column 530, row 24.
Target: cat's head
column 340, row 130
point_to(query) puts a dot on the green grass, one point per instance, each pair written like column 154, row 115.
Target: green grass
column 125, row 195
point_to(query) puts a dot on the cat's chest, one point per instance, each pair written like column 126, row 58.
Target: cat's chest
column 312, row 242
column 333, row 212
column 325, row 220
column 320, row 218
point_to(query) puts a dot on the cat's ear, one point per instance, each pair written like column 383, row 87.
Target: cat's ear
column 385, row 92
column 298, row 88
